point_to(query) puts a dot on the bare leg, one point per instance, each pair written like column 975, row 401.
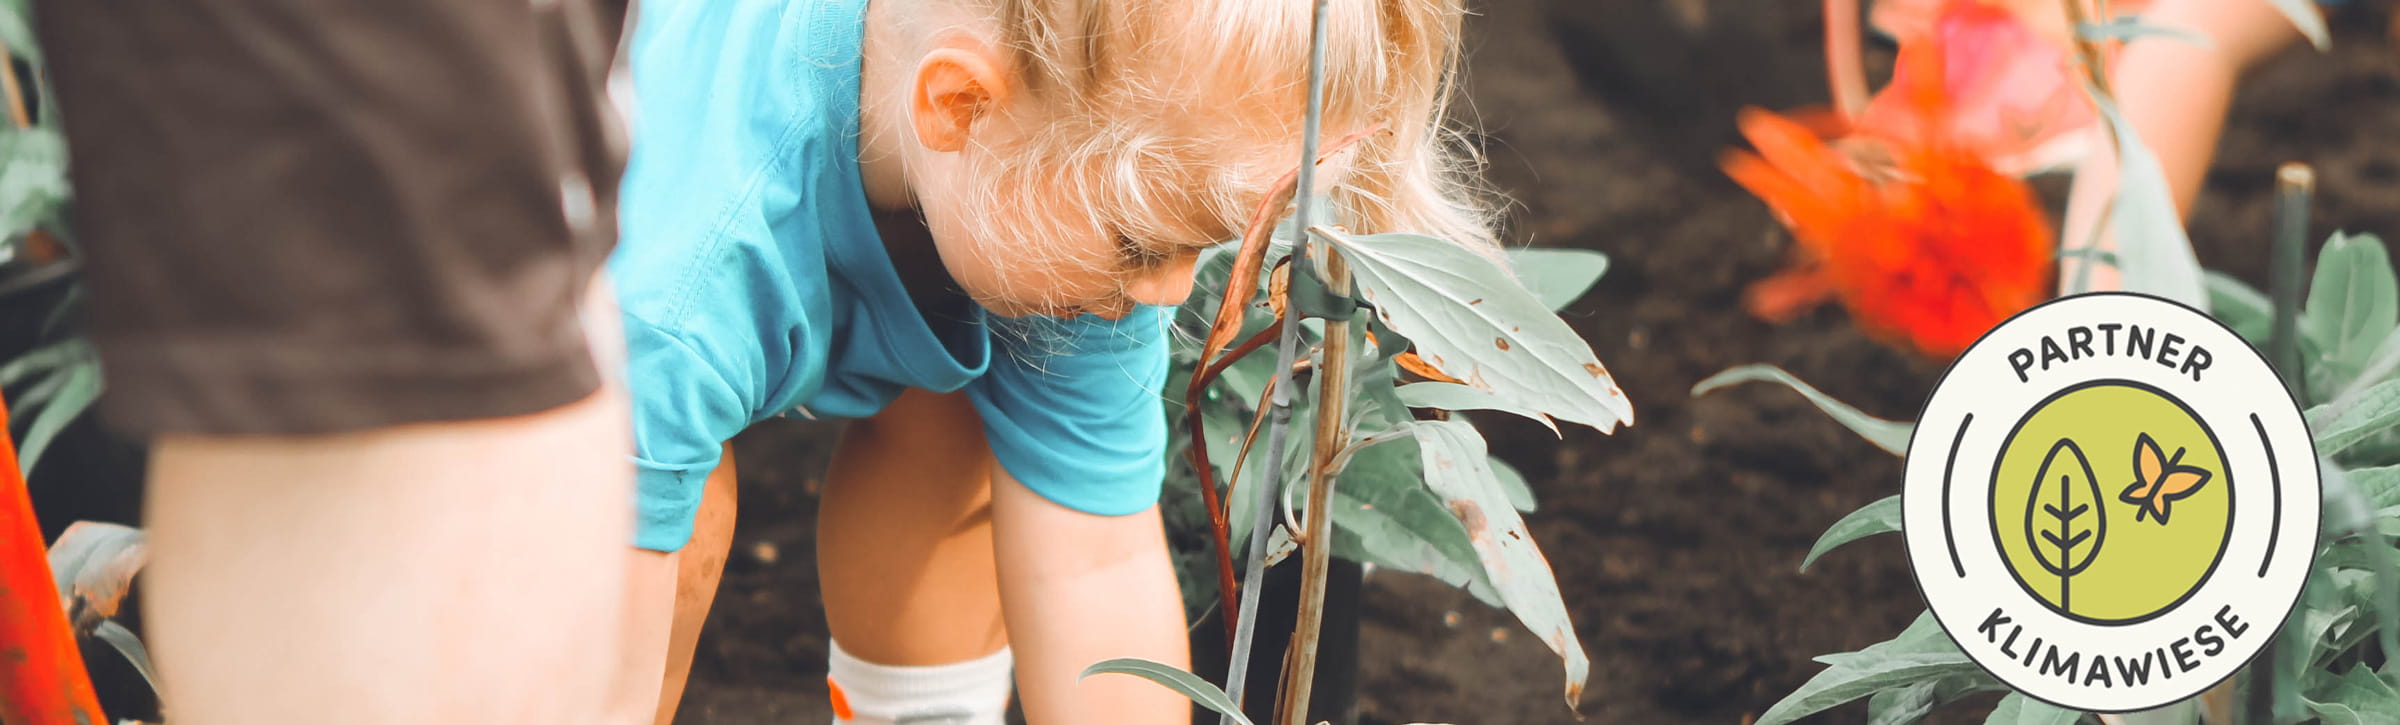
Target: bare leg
column 904, row 536
column 906, row 541
column 454, row 572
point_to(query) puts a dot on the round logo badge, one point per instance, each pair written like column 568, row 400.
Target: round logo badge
column 2111, row 502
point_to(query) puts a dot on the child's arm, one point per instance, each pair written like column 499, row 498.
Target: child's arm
column 2174, row 93
column 1077, row 589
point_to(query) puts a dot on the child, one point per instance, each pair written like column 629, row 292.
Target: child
column 2175, row 94
column 959, row 221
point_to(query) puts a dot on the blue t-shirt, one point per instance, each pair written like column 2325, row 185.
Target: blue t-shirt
column 754, row 284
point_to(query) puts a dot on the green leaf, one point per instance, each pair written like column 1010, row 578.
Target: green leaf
column 16, row 29
column 1920, row 653
column 2241, row 307
column 1455, row 470
column 124, row 641
column 1912, row 703
column 33, row 178
column 81, row 388
column 1453, row 396
column 1880, row 517
column 2380, row 484
column 1891, row 436
column 2337, row 429
column 2132, row 28
column 2359, row 698
column 2379, row 366
column 1558, row 276
column 95, row 561
column 2305, row 15
column 2017, row 709
column 1520, row 494
column 2149, row 232
column 1183, row 683
column 1384, row 515
column 2353, row 302
column 1474, row 322
column 49, row 357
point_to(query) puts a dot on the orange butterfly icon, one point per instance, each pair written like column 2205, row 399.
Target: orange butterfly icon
column 2157, row 484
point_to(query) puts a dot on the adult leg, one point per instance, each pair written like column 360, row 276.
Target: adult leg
column 453, row 572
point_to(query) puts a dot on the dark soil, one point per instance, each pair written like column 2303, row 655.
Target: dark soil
column 1676, row 542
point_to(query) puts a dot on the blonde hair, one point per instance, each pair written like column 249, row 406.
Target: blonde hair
column 1124, row 74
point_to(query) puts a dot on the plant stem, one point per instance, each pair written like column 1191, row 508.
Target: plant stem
column 1845, row 65
column 42, row 679
column 1218, row 526
column 1333, row 392
column 2294, row 184
column 1287, row 350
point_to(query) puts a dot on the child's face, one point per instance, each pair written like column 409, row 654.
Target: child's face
column 1023, row 237
column 1040, row 241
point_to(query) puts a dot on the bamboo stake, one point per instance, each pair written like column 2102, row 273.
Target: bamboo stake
column 1333, row 391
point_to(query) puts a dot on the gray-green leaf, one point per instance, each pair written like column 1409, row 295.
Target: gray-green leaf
column 1454, row 458
column 2353, row 302
column 1184, row 683
column 1520, row 494
column 1889, row 435
column 124, row 641
column 1453, row 396
column 2017, row 709
column 2149, row 232
column 1558, row 276
column 1472, row 320
column 1383, row 514
column 1880, row 517
column 1920, row 653
column 2310, row 20
column 81, row 387
column 2133, row 28
column 2359, row 698
column 2375, row 410
column 2240, row 307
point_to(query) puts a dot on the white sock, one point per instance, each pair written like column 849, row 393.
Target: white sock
column 974, row 692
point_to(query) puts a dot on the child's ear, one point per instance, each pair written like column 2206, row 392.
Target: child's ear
column 957, row 82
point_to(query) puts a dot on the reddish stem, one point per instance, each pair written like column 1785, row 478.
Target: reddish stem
column 42, row 680
column 1219, row 520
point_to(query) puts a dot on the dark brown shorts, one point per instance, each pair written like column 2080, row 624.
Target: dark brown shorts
column 316, row 216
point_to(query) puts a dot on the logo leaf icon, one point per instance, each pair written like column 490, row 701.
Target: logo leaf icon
column 2159, row 483
column 2064, row 526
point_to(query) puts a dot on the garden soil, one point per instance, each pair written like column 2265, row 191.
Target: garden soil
column 1676, row 542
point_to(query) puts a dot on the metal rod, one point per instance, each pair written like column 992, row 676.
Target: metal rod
column 1287, row 350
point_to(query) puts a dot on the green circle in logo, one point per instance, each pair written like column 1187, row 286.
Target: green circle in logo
column 2111, row 502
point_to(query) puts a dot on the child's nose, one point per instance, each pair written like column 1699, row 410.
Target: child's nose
column 1168, row 284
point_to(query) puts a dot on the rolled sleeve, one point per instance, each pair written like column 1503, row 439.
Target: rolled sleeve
column 684, row 411
column 1073, row 410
